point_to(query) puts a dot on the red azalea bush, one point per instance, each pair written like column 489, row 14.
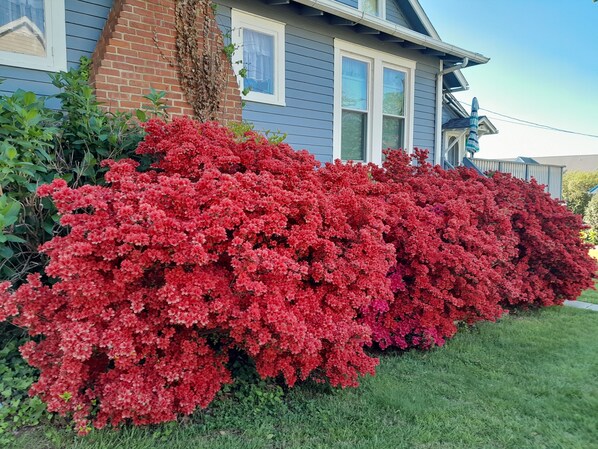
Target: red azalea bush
column 224, row 244
column 452, row 245
column 231, row 245
column 551, row 263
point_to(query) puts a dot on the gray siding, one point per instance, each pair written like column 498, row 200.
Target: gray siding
column 425, row 106
column 308, row 115
column 84, row 22
column 395, row 15
column 447, row 114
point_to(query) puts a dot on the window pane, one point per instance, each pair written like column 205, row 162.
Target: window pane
column 22, row 27
column 353, row 136
column 258, row 59
column 370, row 6
column 394, row 92
column 355, row 84
column 392, row 133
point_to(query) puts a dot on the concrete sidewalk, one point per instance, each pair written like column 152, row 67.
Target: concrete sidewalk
column 582, row 305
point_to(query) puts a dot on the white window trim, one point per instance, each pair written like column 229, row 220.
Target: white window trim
column 55, row 59
column 378, row 60
column 381, row 8
column 240, row 20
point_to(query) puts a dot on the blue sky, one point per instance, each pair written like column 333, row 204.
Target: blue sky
column 543, row 68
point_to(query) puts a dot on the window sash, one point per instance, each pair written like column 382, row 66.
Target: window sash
column 53, row 58
column 259, row 61
column 260, row 26
column 381, row 124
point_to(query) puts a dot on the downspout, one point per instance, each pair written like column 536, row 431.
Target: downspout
column 439, row 83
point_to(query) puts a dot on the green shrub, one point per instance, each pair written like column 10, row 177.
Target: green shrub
column 17, row 409
column 40, row 144
column 27, row 129
column 591, row 214
column 575, row 189
column 37, row 145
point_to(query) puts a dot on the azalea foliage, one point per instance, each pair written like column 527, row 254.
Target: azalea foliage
column 231, row 245
column 452, row 243
column 224, row 244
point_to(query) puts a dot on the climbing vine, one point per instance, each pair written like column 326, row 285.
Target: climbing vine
column 201, row 66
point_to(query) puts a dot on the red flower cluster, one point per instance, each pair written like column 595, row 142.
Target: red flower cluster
column 551, row 263
column 452, row 243
column 224, row 244
column 470, row 248
column 229, row 245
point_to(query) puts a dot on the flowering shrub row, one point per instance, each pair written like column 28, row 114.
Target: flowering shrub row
column 231, row 245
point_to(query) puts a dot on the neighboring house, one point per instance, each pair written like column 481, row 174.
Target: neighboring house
column 343, row 79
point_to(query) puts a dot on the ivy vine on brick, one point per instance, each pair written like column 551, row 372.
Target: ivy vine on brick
column 201, row 66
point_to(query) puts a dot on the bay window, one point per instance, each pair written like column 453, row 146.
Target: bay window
column 32, row 34
column 373, row 103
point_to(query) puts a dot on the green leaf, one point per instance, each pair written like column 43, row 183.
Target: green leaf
column 15, row 239
column 11, row 152
column 49, row 228
column 6, row 252
column 141, row 115
column 29, row 98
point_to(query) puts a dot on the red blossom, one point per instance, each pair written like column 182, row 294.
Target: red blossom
column 231, row 245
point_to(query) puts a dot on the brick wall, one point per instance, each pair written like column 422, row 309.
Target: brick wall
column 137, row 51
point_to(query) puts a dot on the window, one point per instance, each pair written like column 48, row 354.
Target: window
column 32, row 34
column 373, row 7
column 373, row 103
column 355, row 108
column 259, row 49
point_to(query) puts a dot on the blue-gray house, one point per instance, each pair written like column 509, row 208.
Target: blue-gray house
column 342, row 78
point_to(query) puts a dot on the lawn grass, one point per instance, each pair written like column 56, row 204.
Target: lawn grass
column 529, row 381
column 590, row 295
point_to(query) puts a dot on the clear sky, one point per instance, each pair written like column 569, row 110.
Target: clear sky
column 543, row 68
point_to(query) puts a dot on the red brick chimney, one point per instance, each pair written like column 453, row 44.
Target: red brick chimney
column 137, row 51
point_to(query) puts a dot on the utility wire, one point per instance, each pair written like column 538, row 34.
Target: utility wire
column 522, row 122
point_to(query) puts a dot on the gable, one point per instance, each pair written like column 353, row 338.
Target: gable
column 403, row 15
column 395, row 14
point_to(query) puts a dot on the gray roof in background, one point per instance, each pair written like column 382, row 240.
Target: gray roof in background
column 527, row 160
column 578, row 162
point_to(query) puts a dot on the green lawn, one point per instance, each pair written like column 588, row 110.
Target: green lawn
column 529, row 381
column 590, row 295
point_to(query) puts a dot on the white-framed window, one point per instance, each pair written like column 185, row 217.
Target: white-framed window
column 373, row 7
column 373, row 102
column 32, row 34
column 260, row 53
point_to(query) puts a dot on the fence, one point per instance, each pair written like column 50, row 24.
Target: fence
column 550, row 176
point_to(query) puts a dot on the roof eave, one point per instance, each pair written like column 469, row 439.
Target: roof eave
column 359, row 17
